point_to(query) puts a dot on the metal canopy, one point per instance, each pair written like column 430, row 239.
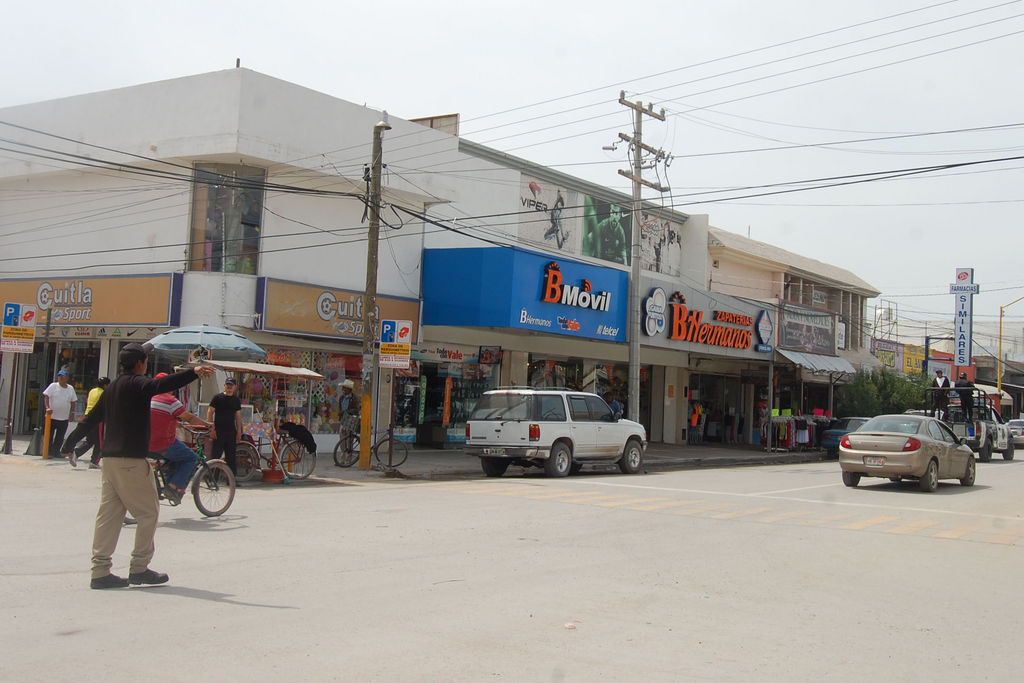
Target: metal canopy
column 817, row 363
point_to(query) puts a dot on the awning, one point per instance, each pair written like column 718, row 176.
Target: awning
column 817, row 363
column 994, row 391
column 265, row 369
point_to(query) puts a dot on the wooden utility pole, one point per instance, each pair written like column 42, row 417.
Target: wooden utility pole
column 636, row 175
column 370, row 317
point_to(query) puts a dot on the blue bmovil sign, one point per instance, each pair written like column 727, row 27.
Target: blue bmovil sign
column 503, row 287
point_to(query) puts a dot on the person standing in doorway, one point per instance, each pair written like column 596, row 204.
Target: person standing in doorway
column 126, row 475
column 92, row 439
column 225, row 412
column 60, row 406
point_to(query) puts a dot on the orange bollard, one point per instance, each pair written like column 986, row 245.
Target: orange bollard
column 46, row 436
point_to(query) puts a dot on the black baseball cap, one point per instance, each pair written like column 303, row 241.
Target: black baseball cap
column 230, row 380
column 133, row 353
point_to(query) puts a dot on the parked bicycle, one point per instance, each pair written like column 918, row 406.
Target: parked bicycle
column 387, row 450
column 212, row 484
column 260, row 452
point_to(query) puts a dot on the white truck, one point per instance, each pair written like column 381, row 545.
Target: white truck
column 987, row 431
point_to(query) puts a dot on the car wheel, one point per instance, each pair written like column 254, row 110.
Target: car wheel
column 929, row 481
column 985, row 454
column 851, row 478
column 632, row 457
column 1008, row 453
column 972, row 469
column 494, row 467
column 559, row 461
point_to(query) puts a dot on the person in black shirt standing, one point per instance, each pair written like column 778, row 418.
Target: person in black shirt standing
column 225, row 412
column 126, row 475
column 965, row 388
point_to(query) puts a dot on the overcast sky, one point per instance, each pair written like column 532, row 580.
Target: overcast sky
column 541, row 80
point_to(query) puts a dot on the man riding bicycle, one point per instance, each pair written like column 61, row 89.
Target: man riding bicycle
column 164, row 412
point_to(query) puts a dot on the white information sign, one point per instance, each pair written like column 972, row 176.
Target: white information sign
column 964, row 290
column 18, row 333
column 395, row 343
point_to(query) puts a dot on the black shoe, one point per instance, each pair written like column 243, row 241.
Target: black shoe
column 109, row 581
column 172, row 495
column 148, row 577
column 128, row 521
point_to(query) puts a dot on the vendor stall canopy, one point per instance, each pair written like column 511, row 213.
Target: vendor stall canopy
column 222, row 344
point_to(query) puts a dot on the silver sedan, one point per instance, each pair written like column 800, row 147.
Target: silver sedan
column 1017, row 432
column 906, row 447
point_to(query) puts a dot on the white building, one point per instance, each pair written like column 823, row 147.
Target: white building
column 235, row 199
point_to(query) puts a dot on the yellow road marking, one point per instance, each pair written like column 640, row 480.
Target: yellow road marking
column 783, row 516
column 560, row 493
column 912, row 527
column 617, row 503
column 706, row 508
column 526, row 492
column 825, row 520
column 589, row 497
column 960, row 531
column 663, row 506
column 1005, row 540
column 741, row 513
column 867, row 523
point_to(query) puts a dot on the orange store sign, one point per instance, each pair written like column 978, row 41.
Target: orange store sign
column 294, row 307
column 136, row 300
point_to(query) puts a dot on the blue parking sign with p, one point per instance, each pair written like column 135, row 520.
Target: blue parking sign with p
column 388, row 330
column 12, row 314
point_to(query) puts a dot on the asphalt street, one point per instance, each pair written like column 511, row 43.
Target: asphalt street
column 768, row 573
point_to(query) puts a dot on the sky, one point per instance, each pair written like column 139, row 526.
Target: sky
column 861, row 106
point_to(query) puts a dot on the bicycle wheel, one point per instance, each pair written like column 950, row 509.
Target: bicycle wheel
column 213, row 488
column 399, row 452
column 247, row 461
column 296, row 461
column 346, row 453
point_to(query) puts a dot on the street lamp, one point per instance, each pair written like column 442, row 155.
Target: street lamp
column 999, row 361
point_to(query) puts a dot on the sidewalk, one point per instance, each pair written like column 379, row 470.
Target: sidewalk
column 453, row 463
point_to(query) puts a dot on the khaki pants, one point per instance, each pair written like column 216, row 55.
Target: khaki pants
column 127, row 485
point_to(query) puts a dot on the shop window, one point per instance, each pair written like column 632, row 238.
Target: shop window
column 227, row 212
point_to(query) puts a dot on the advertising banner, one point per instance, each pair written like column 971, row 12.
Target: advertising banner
column 293, row 307
column 550, row 216
column 661, row 245
column 607, row 230
column 128, row 300
column 807, row 330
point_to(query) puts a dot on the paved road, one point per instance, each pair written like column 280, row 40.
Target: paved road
column 771, row 573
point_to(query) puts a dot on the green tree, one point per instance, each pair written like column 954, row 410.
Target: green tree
column 881, row 392
column 858, row 397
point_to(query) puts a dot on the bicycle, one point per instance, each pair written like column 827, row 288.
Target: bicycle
column 289, row 455
column 212, row 484
column 346, row 452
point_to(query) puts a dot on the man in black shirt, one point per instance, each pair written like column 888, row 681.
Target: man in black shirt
column 225, row 412
column 126, row 475
column 965, row 388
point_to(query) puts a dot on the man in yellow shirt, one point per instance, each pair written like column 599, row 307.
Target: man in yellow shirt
column 92, row 439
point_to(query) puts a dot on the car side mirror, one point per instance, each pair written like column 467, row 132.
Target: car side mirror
column 963, row 440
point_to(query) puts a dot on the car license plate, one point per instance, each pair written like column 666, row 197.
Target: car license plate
column 494, row 451
column 874, row 460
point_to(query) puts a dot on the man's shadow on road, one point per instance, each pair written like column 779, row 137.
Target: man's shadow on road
column 201, row 594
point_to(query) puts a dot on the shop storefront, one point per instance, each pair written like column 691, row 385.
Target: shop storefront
column 539, row 321
column 321, row 329
column 89, row 320
column 719, row 348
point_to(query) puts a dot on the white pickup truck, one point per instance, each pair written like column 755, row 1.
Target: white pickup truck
column 986, row 432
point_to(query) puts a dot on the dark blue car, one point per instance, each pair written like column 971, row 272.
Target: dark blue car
column 840, row 428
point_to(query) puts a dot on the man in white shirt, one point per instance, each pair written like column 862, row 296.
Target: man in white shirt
column 60, row 405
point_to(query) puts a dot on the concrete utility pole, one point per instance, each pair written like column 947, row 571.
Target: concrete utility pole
column 370, row 322
column 637, row 148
